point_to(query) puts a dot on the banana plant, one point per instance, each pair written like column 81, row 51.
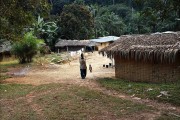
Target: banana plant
column 45, row 30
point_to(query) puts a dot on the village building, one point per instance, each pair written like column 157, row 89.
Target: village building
column 104, row 41
column 75, row 46
column 5, row 48
column 147, row 58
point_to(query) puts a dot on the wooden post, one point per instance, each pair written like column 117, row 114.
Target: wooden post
column 68, row 55
column 67, row 48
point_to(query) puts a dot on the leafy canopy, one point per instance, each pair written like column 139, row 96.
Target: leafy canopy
column 46, row 30
column 76, row 22
column 18, row 14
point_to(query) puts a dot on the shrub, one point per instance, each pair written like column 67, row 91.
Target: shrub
column 27, row 48
column 44, row 50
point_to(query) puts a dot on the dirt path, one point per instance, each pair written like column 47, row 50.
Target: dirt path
column 70, row 74
column 66, row 73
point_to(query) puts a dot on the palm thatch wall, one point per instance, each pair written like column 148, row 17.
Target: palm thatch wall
column 147, row 58
column 162, row 47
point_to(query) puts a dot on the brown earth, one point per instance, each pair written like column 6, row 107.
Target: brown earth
column 66, row 73
column 70, row 74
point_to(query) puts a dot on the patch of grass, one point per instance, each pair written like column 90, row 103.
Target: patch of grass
column 12, row 91
column 40, row 60
column 12, row 106
column 17, row 110
column 3, row 77
column 60, row 101
column 9, row 63
column 145, row 90
column 5, row 67
column 73, row 102
column 55, row 58
column 168, row 116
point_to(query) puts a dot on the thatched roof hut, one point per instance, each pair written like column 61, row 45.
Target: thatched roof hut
column 5, row 46
column 63, row 43
column 161, row 47
column 74, row 44
column 151, row 58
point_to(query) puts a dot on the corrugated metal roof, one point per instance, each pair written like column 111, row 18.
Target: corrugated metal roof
column 105, row 39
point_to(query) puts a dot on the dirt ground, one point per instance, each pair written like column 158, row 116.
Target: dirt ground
column 70, row 74
column 66, row 73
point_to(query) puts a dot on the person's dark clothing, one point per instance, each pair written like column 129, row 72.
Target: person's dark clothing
column 83, row 73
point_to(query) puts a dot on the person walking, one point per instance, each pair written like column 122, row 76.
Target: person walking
column 90, row 68
column 83, row 67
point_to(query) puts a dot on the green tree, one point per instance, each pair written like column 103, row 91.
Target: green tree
column 121, row 10
column 79, row 2
column 76, row 22
column 18, row 14
column 107, row 22
column 46, row 30
column 161, row 15
column 27, row 48
column 57, row 6
column 114, row 25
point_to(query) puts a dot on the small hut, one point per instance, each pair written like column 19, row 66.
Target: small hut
column 147, row 58
column 74, row 45
column 5, row 48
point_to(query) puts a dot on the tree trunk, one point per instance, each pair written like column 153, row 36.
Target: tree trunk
column 154, row 28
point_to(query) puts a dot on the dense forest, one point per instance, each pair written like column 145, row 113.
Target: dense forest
column 117, row 17
column 86, row 19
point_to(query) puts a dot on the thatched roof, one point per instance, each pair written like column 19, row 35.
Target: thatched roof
column 5, row 46
column 158, row 46
column 63, row 43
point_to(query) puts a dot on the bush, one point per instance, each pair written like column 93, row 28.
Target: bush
column 27, row 48
column 44, row 50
